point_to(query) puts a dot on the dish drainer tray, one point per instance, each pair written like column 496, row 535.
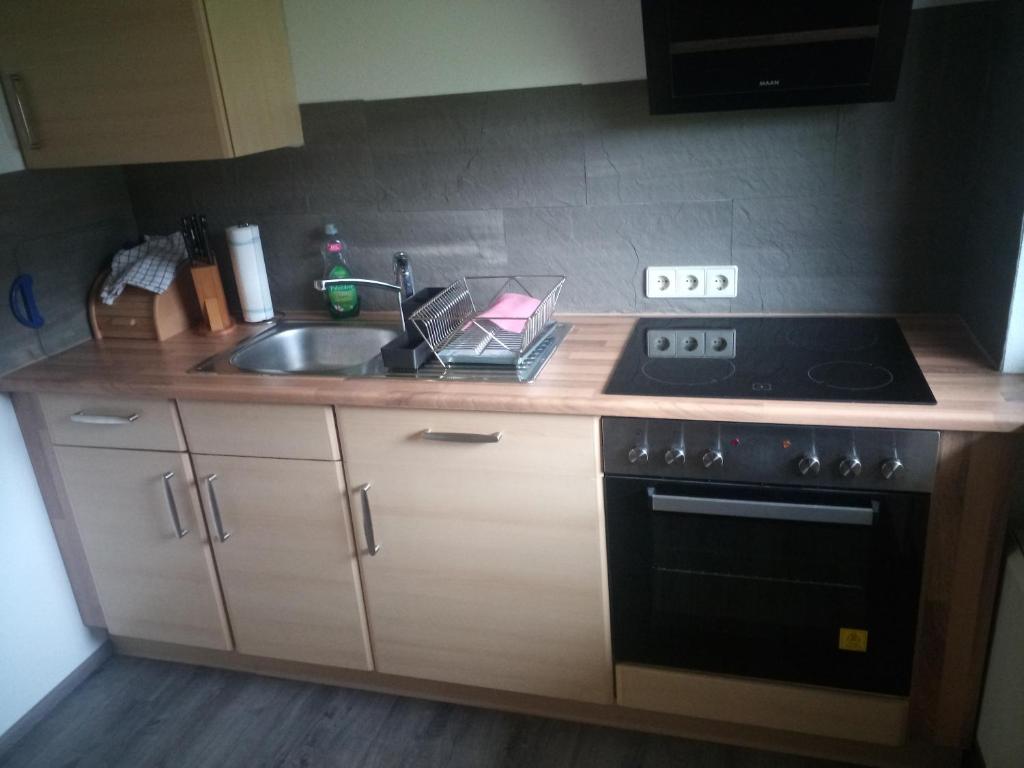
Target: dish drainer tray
column 466, row 325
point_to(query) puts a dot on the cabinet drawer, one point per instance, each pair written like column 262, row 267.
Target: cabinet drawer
column 470, row 440
column 767, row 704
column 112, row 422
column 126, row 326
column 253, row 429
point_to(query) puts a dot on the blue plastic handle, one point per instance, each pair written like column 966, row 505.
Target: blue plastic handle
column 21, row 289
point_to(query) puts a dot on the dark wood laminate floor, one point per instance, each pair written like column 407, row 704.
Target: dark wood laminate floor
column 140, row 714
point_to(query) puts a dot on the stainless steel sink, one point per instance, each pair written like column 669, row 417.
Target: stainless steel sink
column 352, row 348
column 308, row 347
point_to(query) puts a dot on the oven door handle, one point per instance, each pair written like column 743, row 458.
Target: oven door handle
column 763, row 510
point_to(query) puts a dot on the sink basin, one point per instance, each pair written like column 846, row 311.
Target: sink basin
column 322, row 348
column 351, row 348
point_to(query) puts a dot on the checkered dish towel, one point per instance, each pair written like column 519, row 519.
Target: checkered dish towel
column 150, row 265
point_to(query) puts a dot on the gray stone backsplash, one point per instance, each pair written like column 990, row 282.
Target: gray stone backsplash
column 61, row 227
column 838, row 208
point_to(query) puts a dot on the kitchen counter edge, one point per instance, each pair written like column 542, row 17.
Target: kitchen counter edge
column 971, row 395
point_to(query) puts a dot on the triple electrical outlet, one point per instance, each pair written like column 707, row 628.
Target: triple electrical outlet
column 692, row 282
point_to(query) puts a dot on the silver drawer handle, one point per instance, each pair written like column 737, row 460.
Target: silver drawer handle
column 372, row 547
column 172, row 507
column 218, row 523
column 18, row 88
column 98, row 418
column 460, row 437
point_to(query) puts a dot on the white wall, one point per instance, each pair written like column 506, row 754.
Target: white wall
column 42, row 638
column 1000, row 735
column 1013, row 351
column 385, row 49
column 381, row 49
column 10, row 155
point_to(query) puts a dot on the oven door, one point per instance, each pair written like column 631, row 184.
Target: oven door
column 811, row 586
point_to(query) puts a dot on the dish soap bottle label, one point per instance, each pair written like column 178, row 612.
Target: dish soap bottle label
column 342, row 300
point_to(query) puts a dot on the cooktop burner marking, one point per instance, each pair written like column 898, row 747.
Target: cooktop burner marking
column 691, row 373
column 850, row 375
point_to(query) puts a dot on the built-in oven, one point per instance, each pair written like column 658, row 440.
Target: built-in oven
column 786, row 553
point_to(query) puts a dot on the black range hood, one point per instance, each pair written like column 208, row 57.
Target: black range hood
column 706, row 55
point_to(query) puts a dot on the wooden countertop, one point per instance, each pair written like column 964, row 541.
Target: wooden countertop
column 971, row 395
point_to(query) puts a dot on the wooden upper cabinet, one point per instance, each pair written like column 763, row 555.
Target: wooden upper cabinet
column 111, row 82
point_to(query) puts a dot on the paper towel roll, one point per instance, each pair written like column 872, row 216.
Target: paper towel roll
column 250, row 273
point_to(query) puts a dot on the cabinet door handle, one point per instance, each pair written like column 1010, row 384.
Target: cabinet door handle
column 98, row 418
column 218, row 523
column 172, row 507
column 18, row 89
column 460, row 437
column 372, row 547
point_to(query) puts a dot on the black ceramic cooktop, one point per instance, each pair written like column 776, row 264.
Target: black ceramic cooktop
column 771, row 358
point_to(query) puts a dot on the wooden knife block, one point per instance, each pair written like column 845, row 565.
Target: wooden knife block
column 212, row 302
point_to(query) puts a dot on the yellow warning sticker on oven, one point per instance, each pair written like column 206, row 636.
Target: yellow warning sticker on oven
column 853, row 639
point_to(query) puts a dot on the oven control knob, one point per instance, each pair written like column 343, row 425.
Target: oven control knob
column 809, row 464
column 712, row 458
column 892, row 468
column 638, row 454
column 673, row 455
column 850, row 466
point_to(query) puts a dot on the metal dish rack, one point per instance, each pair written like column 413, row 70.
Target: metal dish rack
column 452, row 325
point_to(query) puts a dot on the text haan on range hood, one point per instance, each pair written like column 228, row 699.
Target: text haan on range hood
column 706, row 55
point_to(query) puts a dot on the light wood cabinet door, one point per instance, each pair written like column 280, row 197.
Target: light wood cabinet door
column 152, row 583
column 110, row 82
column 491, row 568
column 288, row 565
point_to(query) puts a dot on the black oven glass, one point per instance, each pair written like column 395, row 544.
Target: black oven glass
column 824, row 603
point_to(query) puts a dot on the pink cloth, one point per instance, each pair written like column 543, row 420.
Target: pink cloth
column 511, row 311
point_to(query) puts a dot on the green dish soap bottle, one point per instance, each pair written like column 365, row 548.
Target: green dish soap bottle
column 342, row 300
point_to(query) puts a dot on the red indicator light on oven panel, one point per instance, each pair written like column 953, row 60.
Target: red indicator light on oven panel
column 734, row 442
column 786, row 444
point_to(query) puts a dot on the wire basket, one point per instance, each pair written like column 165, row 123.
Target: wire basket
column 467, row 322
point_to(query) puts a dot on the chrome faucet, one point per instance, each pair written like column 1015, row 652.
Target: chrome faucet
column 403, row 273
column 323, row 285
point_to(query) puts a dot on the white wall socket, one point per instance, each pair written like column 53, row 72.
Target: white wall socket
column 692, row 282
column 721, row 281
